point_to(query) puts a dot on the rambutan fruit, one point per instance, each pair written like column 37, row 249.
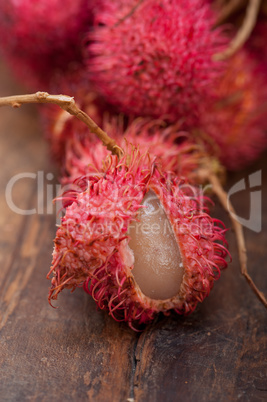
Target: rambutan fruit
column 155, row 58
column 138, row 240
column 43, row 38
column 236, row 119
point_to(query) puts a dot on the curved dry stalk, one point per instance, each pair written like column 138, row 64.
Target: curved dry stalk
column 228, row 10
column 66, row 103
column 244, row 31
column 222, row 196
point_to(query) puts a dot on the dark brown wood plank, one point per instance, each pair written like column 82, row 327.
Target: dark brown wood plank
column 70, row 353
column 78, row 353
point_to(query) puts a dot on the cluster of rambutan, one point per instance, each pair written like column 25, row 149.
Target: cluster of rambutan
column 136, row 233
column 151, row 58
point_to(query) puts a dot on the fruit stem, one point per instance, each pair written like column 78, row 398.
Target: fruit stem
column 229, row 9
column 222, row 196
column 67, row 103
column 244, row 32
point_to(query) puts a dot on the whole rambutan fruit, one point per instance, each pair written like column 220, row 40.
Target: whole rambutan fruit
column 139, row 241
column 43, row 38
column 155, row 58
column 236, row 119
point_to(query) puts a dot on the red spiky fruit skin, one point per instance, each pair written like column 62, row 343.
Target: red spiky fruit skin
column 43, row 38
column 91, row 245
column 237, row 118
column 156, row 59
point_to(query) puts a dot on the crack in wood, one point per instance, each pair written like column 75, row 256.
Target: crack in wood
column 134, row 366
column 138, row 351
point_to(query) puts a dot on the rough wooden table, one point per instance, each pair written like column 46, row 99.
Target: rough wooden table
column 77, row 353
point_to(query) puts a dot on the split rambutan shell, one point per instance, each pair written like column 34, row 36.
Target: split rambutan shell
column 236, row 119
column 156, row 59
column 43, row 38
column 92, row 243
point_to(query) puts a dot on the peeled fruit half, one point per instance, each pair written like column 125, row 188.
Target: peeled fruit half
column 139, row 241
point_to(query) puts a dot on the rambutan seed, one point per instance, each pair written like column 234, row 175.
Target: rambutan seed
column 158, row 267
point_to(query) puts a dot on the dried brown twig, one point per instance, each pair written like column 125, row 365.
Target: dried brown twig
column 244, row 32
column 66, row 103
column 206, row 174
column 228, row 10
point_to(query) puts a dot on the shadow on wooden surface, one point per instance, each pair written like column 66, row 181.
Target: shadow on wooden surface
column 76, row 353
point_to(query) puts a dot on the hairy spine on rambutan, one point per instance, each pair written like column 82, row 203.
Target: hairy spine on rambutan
column 92, row 246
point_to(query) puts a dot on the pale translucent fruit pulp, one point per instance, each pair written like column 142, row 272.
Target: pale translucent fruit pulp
column 158, row 267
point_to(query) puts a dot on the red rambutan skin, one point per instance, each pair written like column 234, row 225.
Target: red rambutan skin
column 237, row 118
column 43, row 38
column 156, row 60
column 91, row 245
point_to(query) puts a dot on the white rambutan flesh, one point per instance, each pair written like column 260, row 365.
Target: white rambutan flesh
column 158, row 267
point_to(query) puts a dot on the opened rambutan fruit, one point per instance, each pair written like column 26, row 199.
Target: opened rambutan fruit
column 139, row 241
column 155, row 58
column 236, row 119
column 42, row 38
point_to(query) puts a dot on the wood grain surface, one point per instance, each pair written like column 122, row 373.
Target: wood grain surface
column 76, row 353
